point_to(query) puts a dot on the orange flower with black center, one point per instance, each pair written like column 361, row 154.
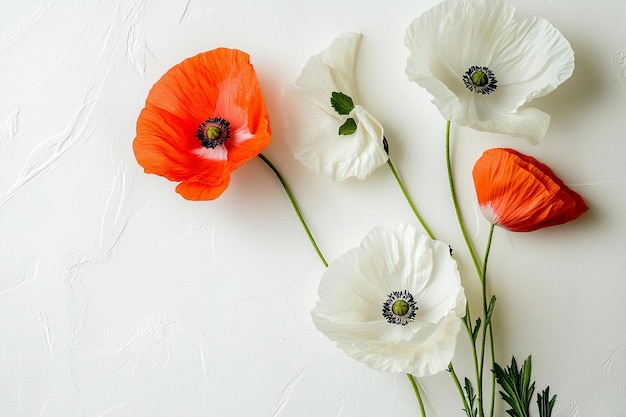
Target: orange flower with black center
column 203, row 119
column 521, row 194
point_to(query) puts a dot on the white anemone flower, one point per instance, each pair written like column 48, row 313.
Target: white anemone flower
column 482, row 65
column 326, row 128
column 394, row 303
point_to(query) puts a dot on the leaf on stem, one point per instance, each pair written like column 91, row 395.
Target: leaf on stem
column 471, row 399
column 475, row 330
column 516, row 386
column 545, row 403
column 492, row 304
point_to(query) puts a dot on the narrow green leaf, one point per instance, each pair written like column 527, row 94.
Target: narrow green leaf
column 471, row 399
column 475, row 331
column 492, row 305
column 545, row 403
column 348, row 128
column 517, row 390
column 341, row 102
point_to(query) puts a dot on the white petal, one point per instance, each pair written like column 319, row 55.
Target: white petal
column 528, row 123
column 330, row 70
column 312, row 125
column 529, row 59
column 356, row 285
column 429, row 357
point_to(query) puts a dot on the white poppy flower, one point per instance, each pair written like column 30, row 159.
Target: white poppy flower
column 326, row 127
column 394, row 303
column 482, row 65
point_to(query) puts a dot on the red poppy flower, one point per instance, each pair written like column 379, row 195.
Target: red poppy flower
column 520, row 194
column 203, row 119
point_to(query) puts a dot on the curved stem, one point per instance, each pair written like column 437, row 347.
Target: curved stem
column 478, row 364
column 457, row 209
column 458, row 386
column 487, row 327
column 488, row 323
column 417, row 394
column 408, row 199
column 294, row 204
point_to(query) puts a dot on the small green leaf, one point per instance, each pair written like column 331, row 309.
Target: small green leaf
column 471, row 399
column 545, row 403
column 517, row 390
column 492, row 304
column 342, row 103
column 348, row 128
column 476, row 328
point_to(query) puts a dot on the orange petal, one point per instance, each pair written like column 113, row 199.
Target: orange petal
column 220, row 83
column 519, row 193
column 199, row 191
column 164, row 145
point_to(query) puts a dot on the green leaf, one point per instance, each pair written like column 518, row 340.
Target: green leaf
column 545, row 403
column 348, row 128
column 476, row 329
column 517, row 390
column 471, row 399
column 492, row 304
column 342, row 103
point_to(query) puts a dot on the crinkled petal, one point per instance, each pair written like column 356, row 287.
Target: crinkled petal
column 199, row 191
column 165, row 145
column 312, row 124
column 357, row 284
column 528, row 123
column 331, row 70
column 431, row 356
column 218, row 84
column 520, row 194
column 529, row 58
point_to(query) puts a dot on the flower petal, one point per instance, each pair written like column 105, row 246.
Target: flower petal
column 528, row 123
column 520, row 194
column 528, row 58
column 218, row 84
column 198, row 191
column 331, row 70
column 357, row 284
column 312, row 124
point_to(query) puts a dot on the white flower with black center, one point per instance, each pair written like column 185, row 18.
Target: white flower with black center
column 394, row 303
column 325, row 126
column 482, row 65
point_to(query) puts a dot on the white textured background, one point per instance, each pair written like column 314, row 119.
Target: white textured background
column 118, row 298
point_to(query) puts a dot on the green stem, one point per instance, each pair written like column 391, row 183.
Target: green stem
column 294, row 204
column 467, row 322
column 478, row 365
column 408, row 199
column 488, row 323
column 457, row 208
column 417, row 394
column 458, row 386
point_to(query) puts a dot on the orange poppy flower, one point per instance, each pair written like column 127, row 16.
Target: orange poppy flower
column 520, row 194
column 203, row 119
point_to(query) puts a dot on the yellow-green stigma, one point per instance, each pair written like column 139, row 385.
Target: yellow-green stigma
column 213, row 132
column 400, row 308
column 480, row 80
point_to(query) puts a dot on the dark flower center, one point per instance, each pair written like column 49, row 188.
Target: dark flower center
column 213, row 132
column 400, row 308
column 481, row 80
